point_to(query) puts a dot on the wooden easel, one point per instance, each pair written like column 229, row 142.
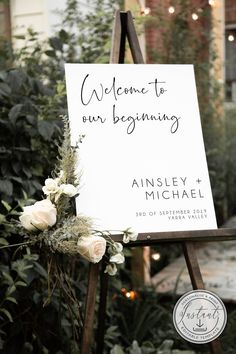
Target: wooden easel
column 124, row 28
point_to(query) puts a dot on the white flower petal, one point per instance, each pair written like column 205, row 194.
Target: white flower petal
column 26, row 222
column 126, row 238
column 117, row 258
column 133, row 236
column 118, row 246
column 111, row 269
column 68, row 189
column 51, row 186
column 115, row 247
column 129, row 235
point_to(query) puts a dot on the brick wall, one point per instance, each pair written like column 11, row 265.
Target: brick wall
column 153, row 36
column 230, row 12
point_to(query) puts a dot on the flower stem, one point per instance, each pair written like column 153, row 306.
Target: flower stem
column 16, row 244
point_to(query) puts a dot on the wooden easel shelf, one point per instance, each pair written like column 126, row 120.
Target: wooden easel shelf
column 182, row 236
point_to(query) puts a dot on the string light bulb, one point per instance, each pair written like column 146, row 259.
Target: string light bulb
column 194, row 16
column 211, row 2
column 231, row 38
column 132, row 295
column 156, row 256
column 145, row 11
column 171, row 9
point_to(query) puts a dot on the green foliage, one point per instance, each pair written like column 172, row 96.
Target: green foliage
column 30, row 125
column 139, row 319
column 32, row 95
column 36, row 317
column 31, row 316
column 228, row 337
column 145, row 325
column 148, row 348
column 93, row 42
column 97, row 48
column 28, row 134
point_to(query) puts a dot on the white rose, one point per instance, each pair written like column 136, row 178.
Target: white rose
column 39, row 216
column 117, row 258
column 111, row 269
column 92, row 248
column 51, row 186
column 68, row 189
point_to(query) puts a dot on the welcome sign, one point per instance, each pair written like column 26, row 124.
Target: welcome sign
column 142, row 158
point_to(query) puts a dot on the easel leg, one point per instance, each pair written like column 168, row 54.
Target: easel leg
column 90, row 308
column 102, row 310
column 193, row 266
column 197, row 282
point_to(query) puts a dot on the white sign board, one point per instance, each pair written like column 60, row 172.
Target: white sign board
column 142, row 159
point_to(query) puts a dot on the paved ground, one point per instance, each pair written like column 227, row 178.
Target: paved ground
column 218, row 265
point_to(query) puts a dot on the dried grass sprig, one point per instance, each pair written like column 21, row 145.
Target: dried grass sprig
column 68, row 158
column 65, row 236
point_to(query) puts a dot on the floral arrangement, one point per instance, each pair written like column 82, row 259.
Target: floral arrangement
column 51, row 222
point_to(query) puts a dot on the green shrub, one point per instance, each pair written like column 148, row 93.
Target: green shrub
column 30, row 129
column 40, row 311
